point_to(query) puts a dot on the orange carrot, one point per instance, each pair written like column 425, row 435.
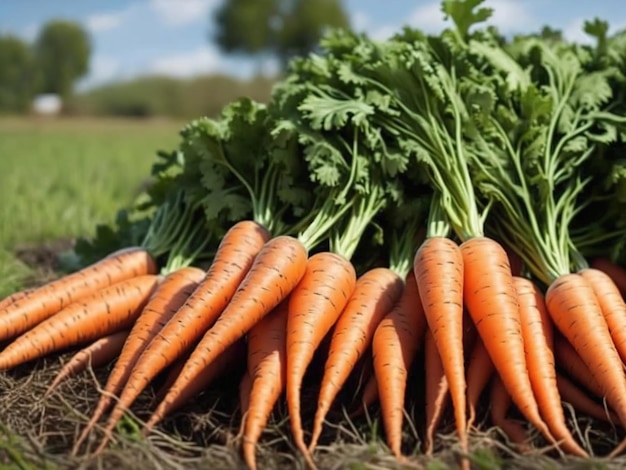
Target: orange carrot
column 575, row 310
column 98, row 353
column 479, row 371
column 166, row 300
column 374, row 296
column 49, row 299
column 612, row 306
column 492, row 303
column 233, row 259
column 276, row 271
column 11, row 299
column 267, row 366
column 245, row 386
column 581, row 402
column 314, row 307
column 396, row 341
column 570, row 362
column 501, row 402
column 231, row 359
column 107, row 311
column 616, row 272
column 538, row 334
column 439, row 271
column 437, row 390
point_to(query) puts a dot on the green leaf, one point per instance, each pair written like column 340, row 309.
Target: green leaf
column 465, row 14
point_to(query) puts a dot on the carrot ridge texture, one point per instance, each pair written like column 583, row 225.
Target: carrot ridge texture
column 267, row 369
column 439, row 271
column 396, row 341
column 314, row 307
column 538, row 335
column 276, row 271
column 575, row 310
column 233, row 259
column 375, row 294
column 491, row 299
column 167, row 298
column 98, row 353
column 111, row 309
column 40, row 303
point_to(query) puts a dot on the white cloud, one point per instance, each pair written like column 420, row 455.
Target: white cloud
column 198, row 61
column 360, row 21
column 180, row 12
column 509, row 16
column 29, row 33
column 574, row 30
column 100, row 22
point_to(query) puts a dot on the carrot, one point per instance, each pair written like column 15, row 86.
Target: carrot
column 231, row 359
column 616, row 272
column 267, row 368
column 233, row 259
column 166, row 300
column 538, row 334
column 50, row 298
column 581, row 402
column 492, row 303
column 438, row 266
column 245, row 386
column 501, row 402
column 569, row 361
column 314, row 307
column 396, row 341
column 374, row 296
column 276, row 271
column 575, row 310
column 611, row 304
column 111, row 309
column 100, row 352
column 479, row 372
column 437, row 390
column 11, row 299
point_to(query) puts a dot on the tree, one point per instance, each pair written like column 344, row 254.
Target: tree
column 62, row 49
column 18, row 75
column 282, row 28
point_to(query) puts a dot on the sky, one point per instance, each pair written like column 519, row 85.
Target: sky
column 172, row 37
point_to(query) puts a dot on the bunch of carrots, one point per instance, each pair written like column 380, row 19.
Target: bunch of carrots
column 432, row 195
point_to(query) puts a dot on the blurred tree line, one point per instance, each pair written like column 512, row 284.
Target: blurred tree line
column 60, row 56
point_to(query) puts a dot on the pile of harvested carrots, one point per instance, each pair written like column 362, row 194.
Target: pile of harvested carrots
column 458, row 196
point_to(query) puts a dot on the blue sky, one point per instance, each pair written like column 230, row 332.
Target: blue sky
column 135, row 37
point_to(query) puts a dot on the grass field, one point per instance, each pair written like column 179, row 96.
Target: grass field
column 58, row 180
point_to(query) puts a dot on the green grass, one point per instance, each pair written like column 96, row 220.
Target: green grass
column 59, row 179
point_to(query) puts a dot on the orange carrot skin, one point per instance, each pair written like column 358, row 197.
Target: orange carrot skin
column 314, row 307
column 581, row 402
column 439, row 270
column 98, row 353
column 49, row 299
column 437, row 390
column 501, row 402
column 111, row 309
column 492, row 302
column 267, row 366
column 171, row 293
column 479, row 371
column 570, row 362
column 375, row 294
column 612, row 306
column 538, row 333
column 276, row 271
column 396, row 341
column 11, row 299
column 616, row 272
column 233, row 357
column 575, row 310
column 233, row 259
